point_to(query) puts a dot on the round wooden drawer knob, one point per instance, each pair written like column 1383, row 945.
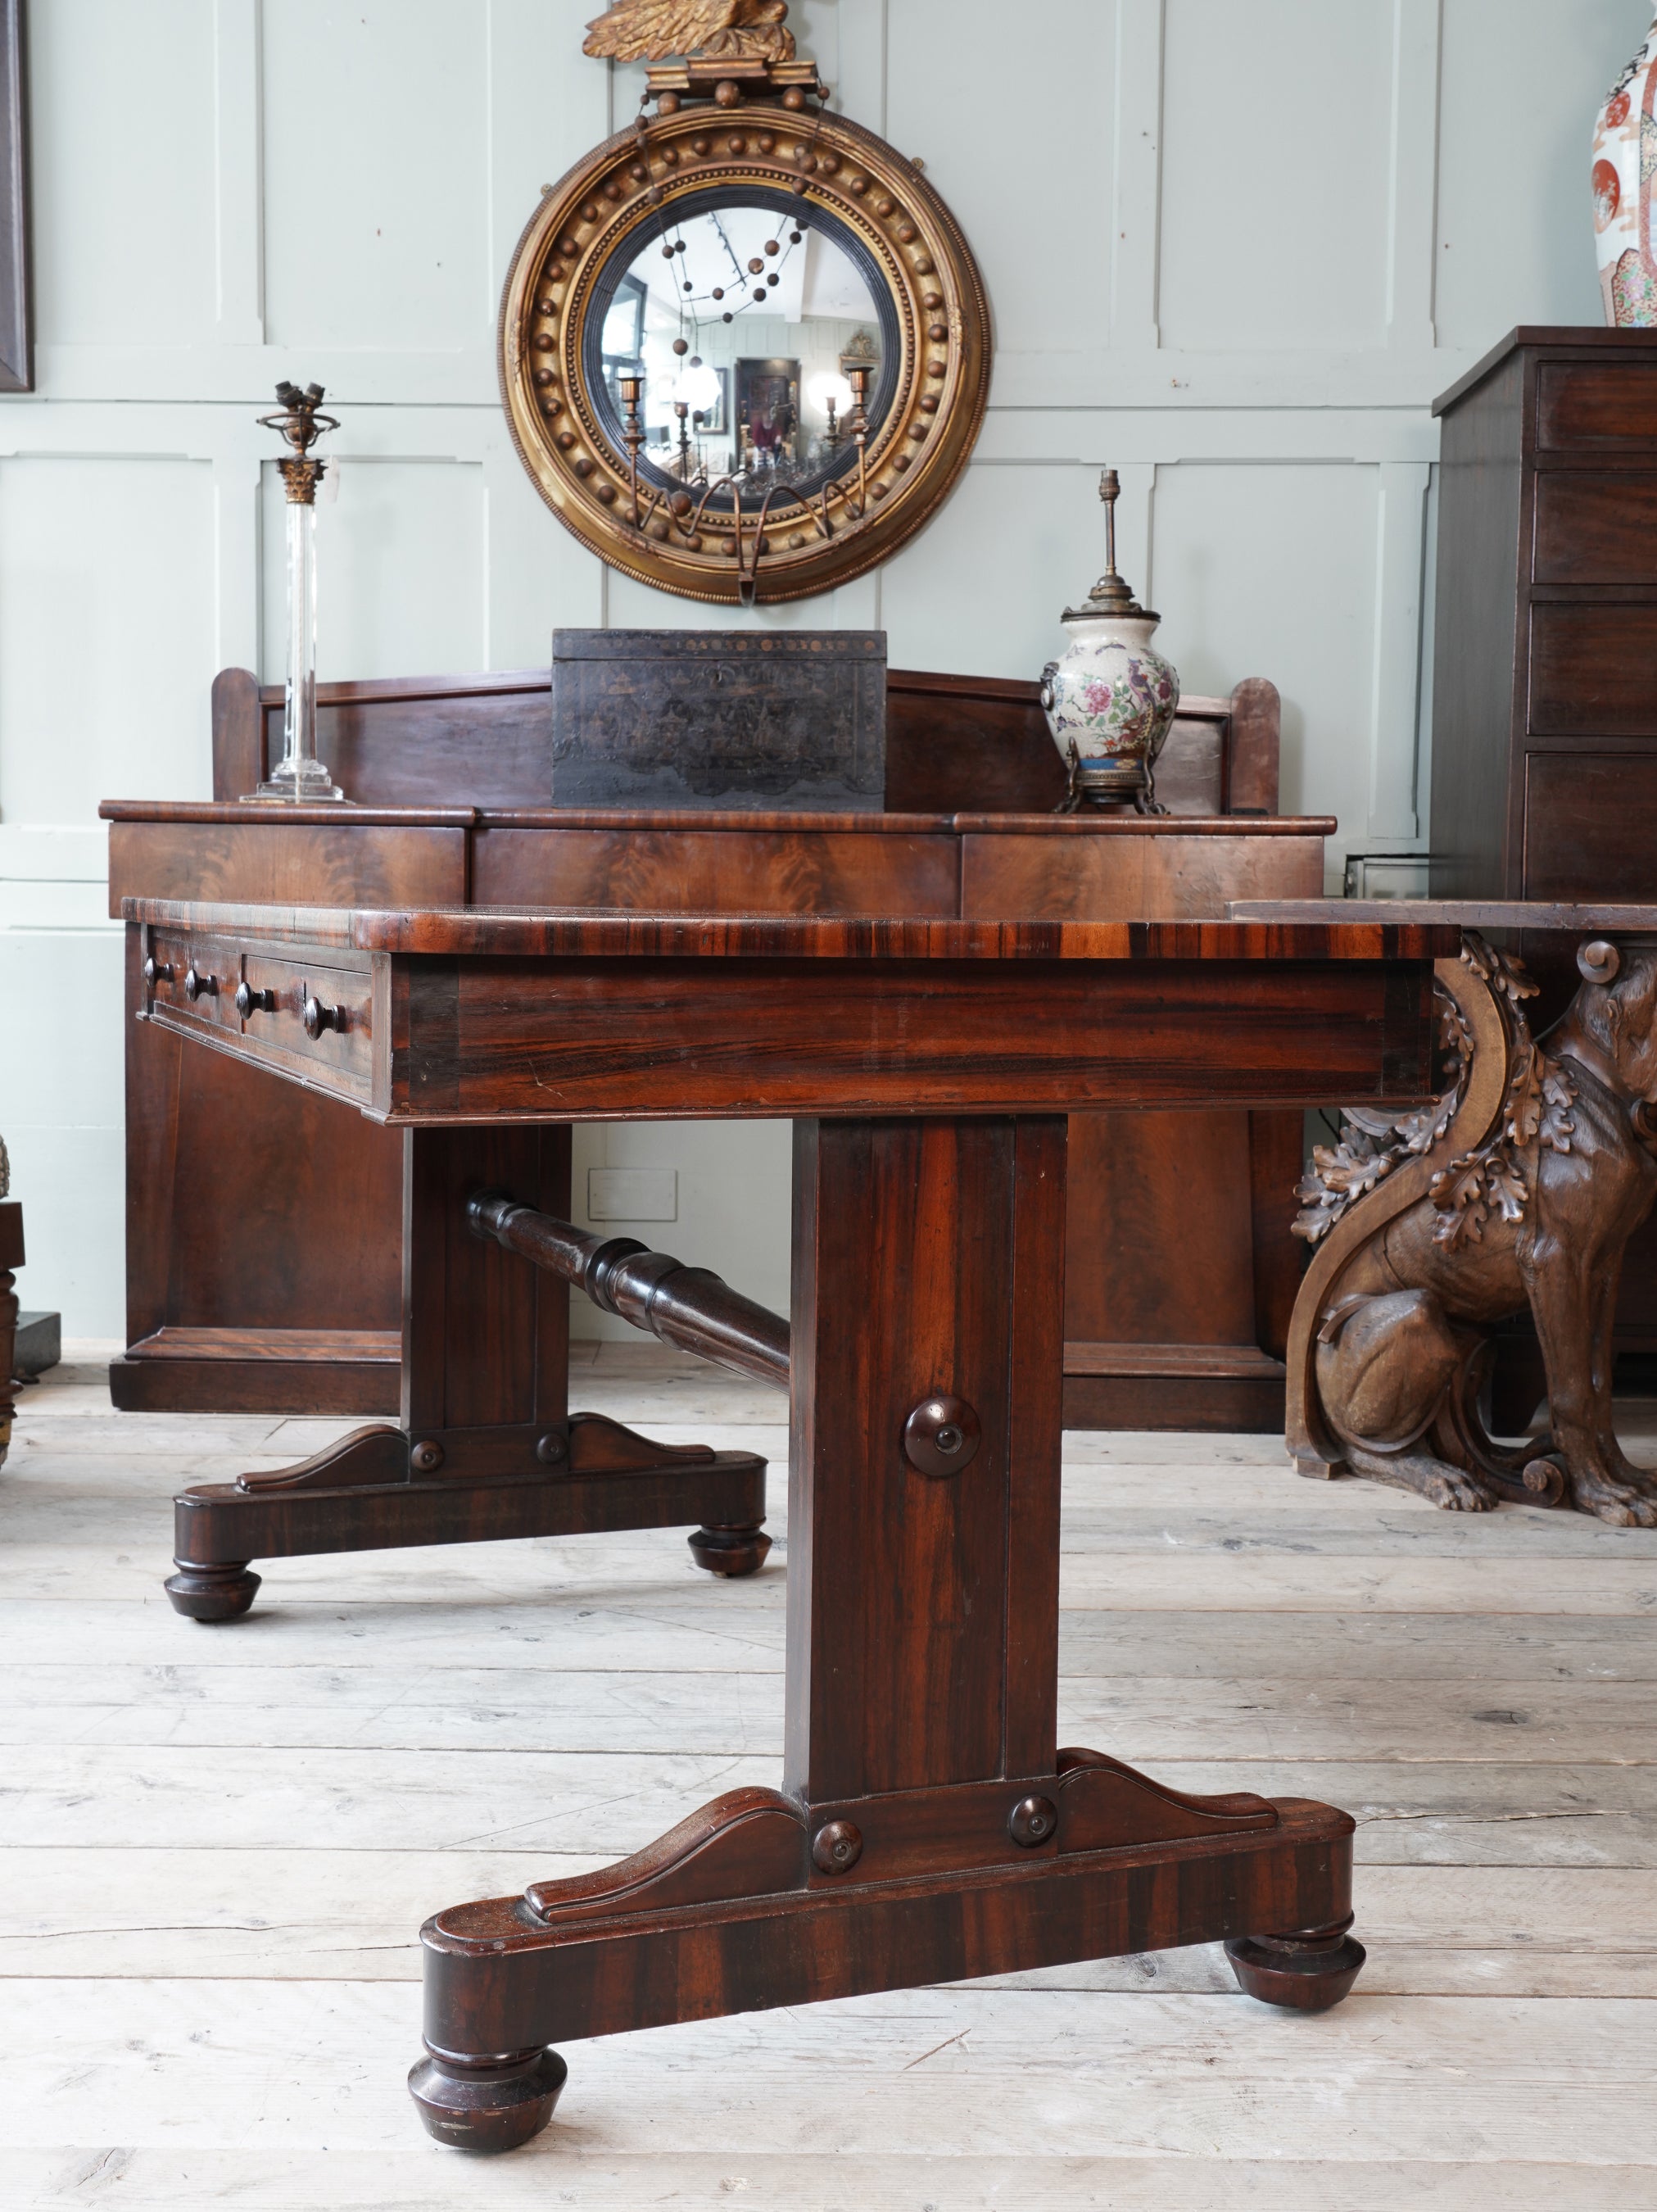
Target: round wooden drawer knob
column 198, row 986
column 250, row 1001
column 157, row 971
column 318, row 1018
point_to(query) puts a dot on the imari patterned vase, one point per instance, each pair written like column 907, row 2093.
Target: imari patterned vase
column 1624, row 175
column 1110, row 702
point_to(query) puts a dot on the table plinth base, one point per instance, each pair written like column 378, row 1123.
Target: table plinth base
column 733, row 1913
column 378, row 1489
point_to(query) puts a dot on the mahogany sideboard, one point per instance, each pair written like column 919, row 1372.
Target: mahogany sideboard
column 1182, row 1271
column 929, row 1827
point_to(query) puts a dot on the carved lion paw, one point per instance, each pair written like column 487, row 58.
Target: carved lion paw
column 1457, row 1492
column 1449, row 1487
column 1615, row 1501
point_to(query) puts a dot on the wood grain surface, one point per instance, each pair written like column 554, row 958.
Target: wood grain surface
column 288, row 861
column 547, row 932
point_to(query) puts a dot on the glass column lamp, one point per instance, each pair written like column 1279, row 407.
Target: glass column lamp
column 299, row 776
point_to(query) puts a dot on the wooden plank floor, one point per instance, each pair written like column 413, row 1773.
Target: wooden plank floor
column 216, row 1846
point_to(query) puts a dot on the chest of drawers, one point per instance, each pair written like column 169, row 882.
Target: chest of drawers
column 1544, row 694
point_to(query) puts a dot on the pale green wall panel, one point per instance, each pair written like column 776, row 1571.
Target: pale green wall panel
column 376, row 128
column 107, row 577
column 122, row 158
column 1019, row 154
column 1523, row 80
column 1242, row 555
column 1275, row 172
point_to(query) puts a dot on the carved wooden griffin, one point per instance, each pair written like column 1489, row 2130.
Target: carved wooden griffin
column 1522, row 1185
column 653, row 30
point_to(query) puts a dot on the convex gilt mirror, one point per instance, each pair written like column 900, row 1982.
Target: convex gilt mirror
column 745, row 350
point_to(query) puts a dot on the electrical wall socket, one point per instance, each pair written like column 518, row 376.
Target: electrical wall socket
column 633, row 1194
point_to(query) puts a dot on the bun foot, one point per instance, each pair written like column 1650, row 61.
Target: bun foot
column 487, row 2104
column 216, row 1593
column 1308, row 1971
column 731, row 1551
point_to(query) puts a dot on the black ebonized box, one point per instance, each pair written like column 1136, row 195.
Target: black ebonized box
column 749, row 720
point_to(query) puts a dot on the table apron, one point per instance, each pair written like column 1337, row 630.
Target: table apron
column 572, row 1039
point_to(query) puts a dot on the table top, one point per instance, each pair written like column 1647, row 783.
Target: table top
column 589, row 932
column 1459, row 914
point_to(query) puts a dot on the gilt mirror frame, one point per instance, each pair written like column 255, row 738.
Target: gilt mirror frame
column 731, row 128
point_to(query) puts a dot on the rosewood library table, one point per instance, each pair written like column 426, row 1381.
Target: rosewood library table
column 929, row 1827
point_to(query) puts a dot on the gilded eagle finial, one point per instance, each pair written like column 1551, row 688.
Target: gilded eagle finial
column 654, row 30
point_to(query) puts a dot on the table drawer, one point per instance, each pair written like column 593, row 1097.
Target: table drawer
column 317, row 1012
column 194, row 978
column 307, row 1013
column 1592, row 528
column 1593, row 406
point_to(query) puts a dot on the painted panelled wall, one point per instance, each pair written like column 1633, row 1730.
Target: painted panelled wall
column 1234, row 247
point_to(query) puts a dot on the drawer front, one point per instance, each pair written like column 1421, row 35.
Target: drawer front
column 1595, row 528
column 709, row 871
column 1593, row 670
column 1591, row 826
column 312, row 1018
column 339, row 1003
column 1105, row 877
column 287, row 864
column 194, row 980
column 1596, row 403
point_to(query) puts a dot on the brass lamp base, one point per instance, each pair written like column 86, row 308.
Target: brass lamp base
column 1101, row 788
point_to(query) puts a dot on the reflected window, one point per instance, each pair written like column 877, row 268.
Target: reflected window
column 742, row 317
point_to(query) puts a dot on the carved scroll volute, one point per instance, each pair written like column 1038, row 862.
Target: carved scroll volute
column 1474, row 1121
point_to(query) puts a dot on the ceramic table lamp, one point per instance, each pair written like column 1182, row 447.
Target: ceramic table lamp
column 1110, row 702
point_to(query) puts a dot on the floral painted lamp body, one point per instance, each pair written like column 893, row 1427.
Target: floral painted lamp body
column 1110, row 702
column 1625, row 177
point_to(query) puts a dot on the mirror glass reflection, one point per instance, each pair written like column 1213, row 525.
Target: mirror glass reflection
column 751, row 326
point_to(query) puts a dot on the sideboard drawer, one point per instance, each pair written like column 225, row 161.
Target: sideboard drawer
column 1593, row 406
column 1592, row 528
column 1133, row 877
column 745, row 870
column 1594, row 669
